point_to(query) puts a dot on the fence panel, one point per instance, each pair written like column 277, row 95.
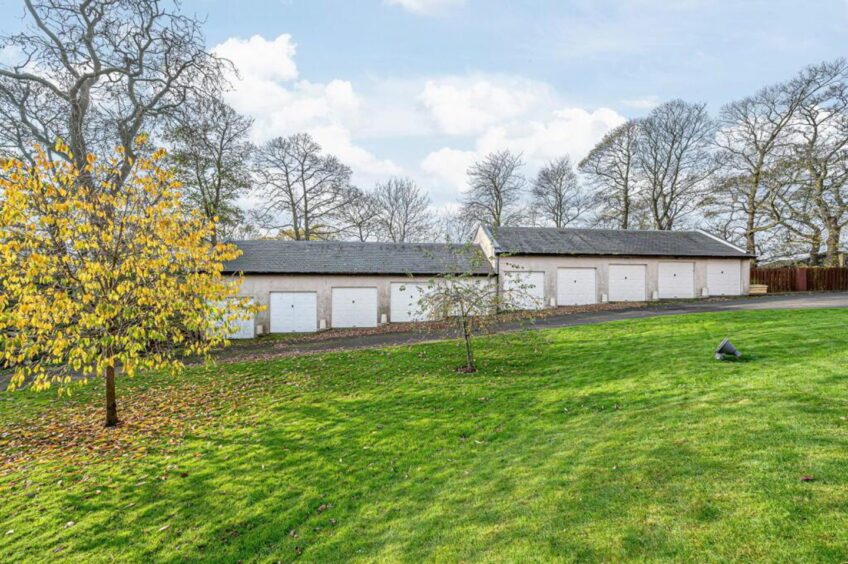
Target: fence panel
column 801, row 279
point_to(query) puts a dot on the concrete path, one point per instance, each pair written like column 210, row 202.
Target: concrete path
column 270, row 348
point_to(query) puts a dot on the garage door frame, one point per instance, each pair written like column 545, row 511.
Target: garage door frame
column 339, row 322
column 560, row 296
column 643, row 294
column 664, row 292
column 301, row 324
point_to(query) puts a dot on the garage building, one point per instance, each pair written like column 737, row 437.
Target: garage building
column 562, row 267
column 311, row 285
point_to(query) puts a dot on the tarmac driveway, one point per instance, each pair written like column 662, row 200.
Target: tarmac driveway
column 269, row 348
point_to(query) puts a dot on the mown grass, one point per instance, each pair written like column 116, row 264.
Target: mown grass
column 608, row 442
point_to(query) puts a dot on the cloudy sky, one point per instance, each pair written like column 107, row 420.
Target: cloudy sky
column 422, row 87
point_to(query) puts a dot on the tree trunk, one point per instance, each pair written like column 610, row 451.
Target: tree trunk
column 815, row 250
column 111, row 402
column 750, row 233
column 625, row 214
column 834, row 234
column 469, row 354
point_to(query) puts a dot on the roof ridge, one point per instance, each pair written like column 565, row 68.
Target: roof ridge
column 363, row 243
column 610, row 229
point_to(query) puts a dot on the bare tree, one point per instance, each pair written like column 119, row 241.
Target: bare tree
column 793, row 212
column 495, row 189
column 453, row 226
column 557, row 196
column 99, row 73
column 820, row 146
column 212, row 154
column 610, row 168
column 753, row 136
column 359, row 217
column 403, row 214
column 304, row 190
column 675, row 160
column 470, row 301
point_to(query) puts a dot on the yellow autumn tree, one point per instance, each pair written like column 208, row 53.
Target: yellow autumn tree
column 99, row 276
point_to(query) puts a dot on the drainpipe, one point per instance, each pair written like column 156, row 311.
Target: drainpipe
column 497, row 283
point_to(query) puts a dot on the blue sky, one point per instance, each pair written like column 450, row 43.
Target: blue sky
column 422, row 87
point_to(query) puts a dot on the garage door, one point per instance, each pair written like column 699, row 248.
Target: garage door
column 293, row 312
column 576, row 286
column 724, row 277
column 524, row 290
column 354, row 307
column 627, row 283
column 405, row 298
column 243, row 329
column 676, row 280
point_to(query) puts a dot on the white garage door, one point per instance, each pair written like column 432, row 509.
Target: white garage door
column 677, row 280
column 293, row 312
column 724, row 277
column 354, row 307
column 627, row 283
column 405, row 298
column 241, row 328
column 576, row 286
column 244, row 329
column 524, row 290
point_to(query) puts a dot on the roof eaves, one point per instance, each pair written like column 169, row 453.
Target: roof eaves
column 243, row 272
column 614, row 254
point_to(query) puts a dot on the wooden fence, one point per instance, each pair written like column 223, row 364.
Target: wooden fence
column 801, row 279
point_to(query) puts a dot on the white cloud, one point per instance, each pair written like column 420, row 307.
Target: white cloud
column 449, row 166
column 568, row 131
column 260, row 58
column 337, row 140
column 467, row 105
column 485, row 112
column 425, row 7
column 266, row 90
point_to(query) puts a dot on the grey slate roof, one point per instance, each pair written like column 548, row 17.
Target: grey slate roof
column 552, row 241
column 274, row 256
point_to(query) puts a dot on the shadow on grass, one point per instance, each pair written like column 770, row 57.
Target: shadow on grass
column 591, row 444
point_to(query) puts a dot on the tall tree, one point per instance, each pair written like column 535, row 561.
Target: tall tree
column 359, row 217
column 495, row 189
column 403, row 211
column 212, row 154
column 820, row 146
column 100, row 281
column 557, row 196
column 675, row 160
column 753, row 137
column 97, row 74
column 794, row 214
column 610, row 167
column 453, row 226
column 303, row 189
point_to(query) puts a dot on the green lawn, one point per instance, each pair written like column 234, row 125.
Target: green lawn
column 617, row 441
